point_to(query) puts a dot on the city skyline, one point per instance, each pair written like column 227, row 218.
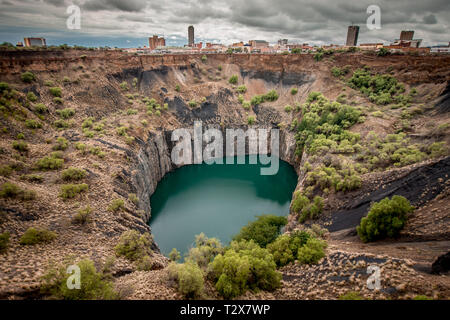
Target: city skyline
column 129, row 24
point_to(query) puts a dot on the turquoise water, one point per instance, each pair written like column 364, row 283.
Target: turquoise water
column 216, row 200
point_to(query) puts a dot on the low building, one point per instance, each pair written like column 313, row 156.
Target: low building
column 258, row 43
column 155, row 42
column 370, row 46
column 35, row 42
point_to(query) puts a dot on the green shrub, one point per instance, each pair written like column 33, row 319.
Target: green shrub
column 5, row 171
column 83, row 216
column 49, row 163
column 294, row 91
column 49, row 83
column 66, row 113
column 437, row 149
column 264, row 230
column 174, row 255
column 131, row 112
column 31, row 96
column 244, row 266
column 242, row 89
column 192, row 103
column 20, row 146
column 312, row 251
column 233, row 79
column 36, row 235
column 204, row 58
column 351, row 295
column 4, row 242
column 61, row 144
column 69, row 191
column 385, row 219
column 285, row 248
column 116, row 205
column 318, row 56
column 73, row 174
column 122, row 131
column 133, row 198
column 93, row 284
column 305, row 208
column 251, row 120
column 61, row 124
column 177, row 88
column 32, row 178
column 422, row 297
column 33, row 124
column 40, row 108
column 383, row 52
column 336, row 72
column 204, row 251
column 133, row 245
column 288, row 108
column 20, row 136
column 27, row 77
column 12, row 191
column 124, row 86
column 56, row 92
column 246, row 105
column 189, row 278
column 58, row 100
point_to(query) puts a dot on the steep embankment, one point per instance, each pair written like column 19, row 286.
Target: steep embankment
column 105, row 121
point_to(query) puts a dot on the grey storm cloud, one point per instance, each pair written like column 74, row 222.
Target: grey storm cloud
column 314, row 21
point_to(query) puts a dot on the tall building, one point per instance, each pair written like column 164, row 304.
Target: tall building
column 35, row 42
column 191, row 36
column 406, row 35
column 155, row 42
column 282, row 42
column 352, row 36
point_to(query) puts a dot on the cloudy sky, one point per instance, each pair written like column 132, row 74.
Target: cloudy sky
column 128, row 23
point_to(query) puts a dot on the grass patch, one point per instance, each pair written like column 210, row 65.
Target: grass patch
column 36, row 235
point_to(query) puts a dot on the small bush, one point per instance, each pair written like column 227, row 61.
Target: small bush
column 312, row 251
column 32, row 178
column 244, row 266
column 5, row 171
column 36, row 235
column 351, row 295
column 233, row 79
column 94, row 285
column 40, row 108
column 56, row 92
column 174, row 255
column 20, row 146
column 189, row 278
column 288, row 108
column 385, row 219
column 52, row 162
column 122, row 131
column 177, row 88
column 31, row 96
column 61, row 144
column 58, row 100
column 242, row 89
column 27, row 77
column 124, row 86
column 12, row 191
column 66, row 113
column 61, row 124
column 49, row 83
column 4, row 242
column 204, row 58
column 133, row 198
column 73, row 174
column 285, row 248
column 116, row 205
column 83, row 216
column 33, row 124
column 264, row 230
column 294, row 91
column 69, row 191
column 133, row 245
column 251, row 120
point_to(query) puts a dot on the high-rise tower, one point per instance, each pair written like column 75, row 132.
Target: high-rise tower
column 191, row 36
column 352, row 36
